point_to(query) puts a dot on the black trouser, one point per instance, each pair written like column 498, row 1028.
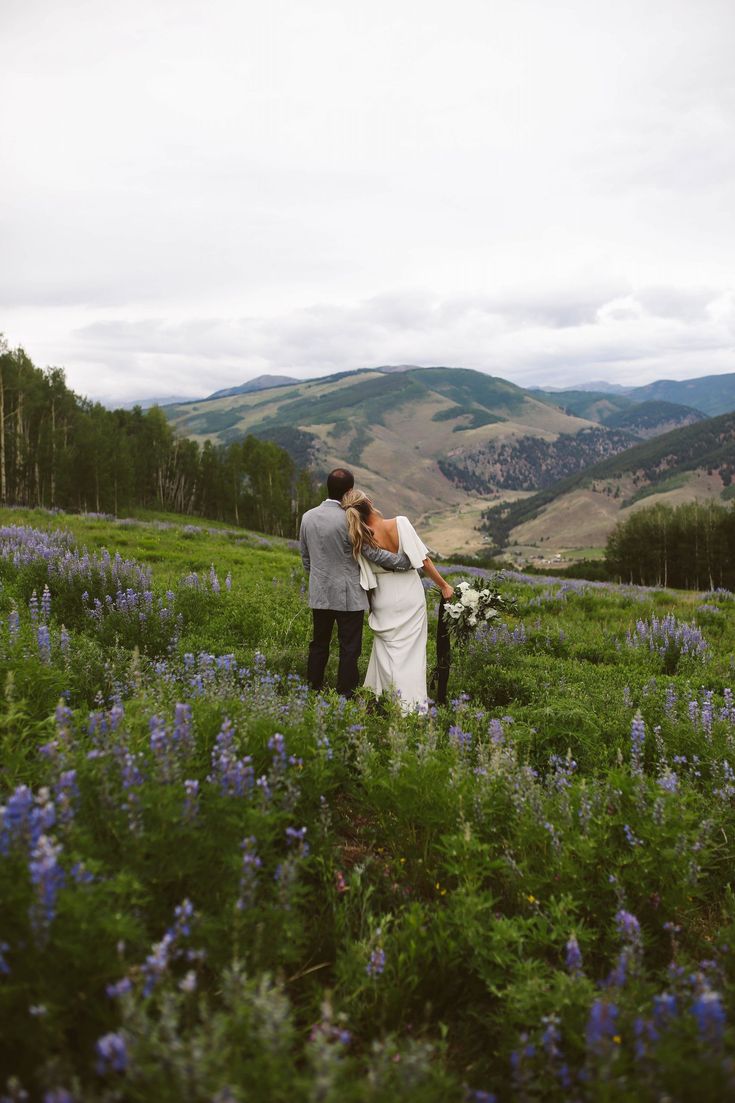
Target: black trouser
column 349, row 634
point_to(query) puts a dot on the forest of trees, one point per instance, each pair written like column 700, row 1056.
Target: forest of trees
column 689, row 547
column 60, row 450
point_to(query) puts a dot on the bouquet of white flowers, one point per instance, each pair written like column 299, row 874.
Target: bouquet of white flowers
column 475, row 603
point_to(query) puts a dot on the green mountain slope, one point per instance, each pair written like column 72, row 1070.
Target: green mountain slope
column 653, row 418
column 712, row 394
column 698, row 460
column 643, row 419
column 392, row 428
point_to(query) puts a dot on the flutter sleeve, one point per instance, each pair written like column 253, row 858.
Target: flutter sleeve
column 368, row 581
column 411, row 543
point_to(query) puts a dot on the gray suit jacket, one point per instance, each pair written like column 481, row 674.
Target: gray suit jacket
column 326, row 552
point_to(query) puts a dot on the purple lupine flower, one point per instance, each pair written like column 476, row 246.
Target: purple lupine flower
column 43, row 638
column 47, row 877
column 573, row 956
column 33, row 608
column 707, row 712
column 637, row 741
column 461, row 739
column 628, row 926
column 13, row 625
column 601, row 1026
column 376, row 962
column 191, row 800
column 182, row 733
column 296, row 837
column 235, row 776
column 112, row 1054
column 4, row 967
column 277, row 747
column 119, row 988
column 251, row 863
column 158, row 960
column 668, row 781
column 58, row 1095
column 66, row 793
column 710, row 1016
column 46, row 603
column 228, row 582
column 664, row 1009
column 670, row 700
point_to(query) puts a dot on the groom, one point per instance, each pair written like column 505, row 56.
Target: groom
column 335, row 593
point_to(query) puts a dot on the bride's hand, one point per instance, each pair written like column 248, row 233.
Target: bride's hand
column 446, row 591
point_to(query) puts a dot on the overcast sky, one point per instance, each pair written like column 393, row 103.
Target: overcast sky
column 193, row 194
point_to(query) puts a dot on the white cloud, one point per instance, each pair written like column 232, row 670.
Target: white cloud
column 193, row 194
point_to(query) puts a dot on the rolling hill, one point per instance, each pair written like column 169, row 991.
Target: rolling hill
column 260, row 383
column 393, row 428
column 710, row 394
column 696, row 462
column 439, row 443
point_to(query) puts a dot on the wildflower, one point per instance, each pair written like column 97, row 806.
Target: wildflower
column 296, row 837
column 112, row 1054
column 376, row 962
column 601, row 1025
column 628, row 926
column 573, row 956
column 189, row 982
column 637, row 740
column 251, row 863
column 47, row 877
column 710, row 1016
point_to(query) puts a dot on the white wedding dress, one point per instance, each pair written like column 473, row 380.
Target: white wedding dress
column 399, row 623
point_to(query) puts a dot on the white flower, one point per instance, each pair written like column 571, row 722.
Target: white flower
column 489, row 613
column 462, row 586
column 470, row 598
column 484, row 593
column 473, row 620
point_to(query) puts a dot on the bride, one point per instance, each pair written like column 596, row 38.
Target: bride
column 397, row 603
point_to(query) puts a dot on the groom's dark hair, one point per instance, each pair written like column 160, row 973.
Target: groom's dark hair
column 339, row 482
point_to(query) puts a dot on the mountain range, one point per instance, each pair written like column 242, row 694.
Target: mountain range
column 710, row 394
column 444, row 444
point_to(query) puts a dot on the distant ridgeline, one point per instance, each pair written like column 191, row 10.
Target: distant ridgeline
column 690, row 547
column 60, row 450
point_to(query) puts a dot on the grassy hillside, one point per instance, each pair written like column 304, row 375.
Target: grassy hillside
column 654, row 418
column 392, row 428
column 592, row 405
column 643, row 418
column 712, row 394
column 606, row 487
column 217, row 885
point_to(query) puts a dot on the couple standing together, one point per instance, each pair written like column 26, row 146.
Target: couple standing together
column 357, row 559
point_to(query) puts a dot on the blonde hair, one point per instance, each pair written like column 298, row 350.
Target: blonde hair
column 358, row 507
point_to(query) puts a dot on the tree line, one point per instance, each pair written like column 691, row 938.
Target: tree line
column 60, row 450
column 691, row 546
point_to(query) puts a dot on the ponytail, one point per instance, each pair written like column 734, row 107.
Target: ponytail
column 358, row 507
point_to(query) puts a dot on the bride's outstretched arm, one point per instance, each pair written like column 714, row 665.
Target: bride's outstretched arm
column 446, row 589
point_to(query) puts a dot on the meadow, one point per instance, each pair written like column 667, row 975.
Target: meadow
column 218, row 886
